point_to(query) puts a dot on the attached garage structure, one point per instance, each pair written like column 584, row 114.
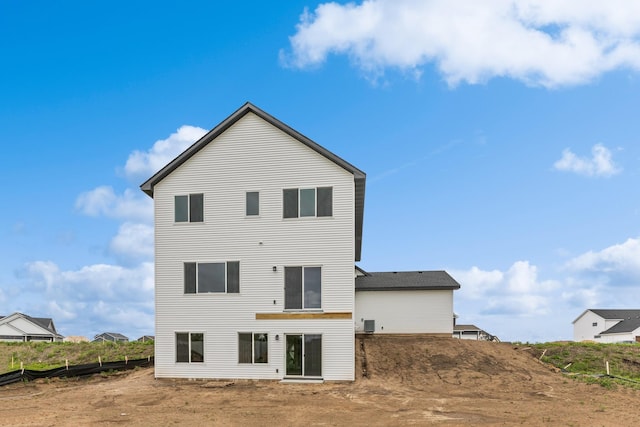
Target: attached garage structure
column 411, row 302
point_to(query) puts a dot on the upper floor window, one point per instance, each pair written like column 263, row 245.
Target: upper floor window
column 189, row 347
column 189, row 208
column 307, row 202
column 594, row 324
column 302, row 288
column 207, row 277
column 253, row 203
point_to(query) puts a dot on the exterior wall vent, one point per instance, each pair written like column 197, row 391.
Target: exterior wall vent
column 369, row 326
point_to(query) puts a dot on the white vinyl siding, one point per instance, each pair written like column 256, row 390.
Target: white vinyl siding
column 406, row 312
column 253, row 154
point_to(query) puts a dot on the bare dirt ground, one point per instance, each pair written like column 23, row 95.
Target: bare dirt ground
column 409, row 381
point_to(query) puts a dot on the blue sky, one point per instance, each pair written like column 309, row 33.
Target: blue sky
column 500, row 142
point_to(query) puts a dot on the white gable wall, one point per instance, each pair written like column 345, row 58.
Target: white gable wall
column 16, row 328
column 252, row 155
column 420, row 311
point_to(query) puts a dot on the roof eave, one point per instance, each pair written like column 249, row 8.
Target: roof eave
column 407, row 288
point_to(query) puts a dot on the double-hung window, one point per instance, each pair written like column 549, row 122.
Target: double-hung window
column 307, row 202
column 253, row 347
column 208, row 277
column 189, row 208
column 189, row 347
column 302, row 288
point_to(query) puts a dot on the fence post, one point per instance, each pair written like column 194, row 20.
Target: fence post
column 100, row 361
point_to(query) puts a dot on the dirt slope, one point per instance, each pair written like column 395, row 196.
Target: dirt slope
column 409, row 381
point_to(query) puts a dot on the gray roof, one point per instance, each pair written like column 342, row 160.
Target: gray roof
column 629, row 320
column 113, row 334
column 406, row 280
column 613, row 314
column 627, row 325
column 359, row 176
column 467, row 328
column 45, row 322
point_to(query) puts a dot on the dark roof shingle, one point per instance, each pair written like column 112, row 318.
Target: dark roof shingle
column 406, row 280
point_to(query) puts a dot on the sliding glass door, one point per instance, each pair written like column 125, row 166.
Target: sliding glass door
column 304, row 355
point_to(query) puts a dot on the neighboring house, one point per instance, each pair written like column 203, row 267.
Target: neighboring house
column 405, row 302
column 20, row 327
column 146, row 338
column 472, row 332
column 607, row 326
column 257, row 231
column 75, row 339
column 110, row 337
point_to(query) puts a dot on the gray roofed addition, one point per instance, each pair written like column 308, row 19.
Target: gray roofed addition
column 406, row 280
column 359, row 176
column 624, row 326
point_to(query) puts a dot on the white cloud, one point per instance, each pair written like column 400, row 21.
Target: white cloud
column 548, row 43
column 621, row 259
column 104, row 201
column 146, row 163
column 93, row 298
column 600, row 163
column 133, row 241
column 517, row 291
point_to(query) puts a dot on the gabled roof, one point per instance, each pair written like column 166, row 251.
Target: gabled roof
column 43, row 322
column 467, row 328
column 616, row 314
column 406, row 280
column 611, row 314
column 624, row 326
column 114, row 335
column 359, row 176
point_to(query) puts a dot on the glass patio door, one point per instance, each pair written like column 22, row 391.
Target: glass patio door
column 304, row 355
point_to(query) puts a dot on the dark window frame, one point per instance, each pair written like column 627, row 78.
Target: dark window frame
column 294, row 205
column 194, row 206
column 192, row 277
column 259, row 341
column 302, row 299
column 249, row 203
column 194, row 353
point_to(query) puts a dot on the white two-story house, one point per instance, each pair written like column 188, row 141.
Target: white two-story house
column 257, row 230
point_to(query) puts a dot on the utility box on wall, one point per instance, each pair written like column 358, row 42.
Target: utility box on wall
column 369, row 326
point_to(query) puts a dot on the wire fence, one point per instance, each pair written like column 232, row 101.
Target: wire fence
column 74, row 371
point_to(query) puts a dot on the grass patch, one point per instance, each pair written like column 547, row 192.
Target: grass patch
column 590, row 359
column 42, row 356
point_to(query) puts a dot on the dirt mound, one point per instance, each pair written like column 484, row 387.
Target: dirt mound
column 416, row 361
